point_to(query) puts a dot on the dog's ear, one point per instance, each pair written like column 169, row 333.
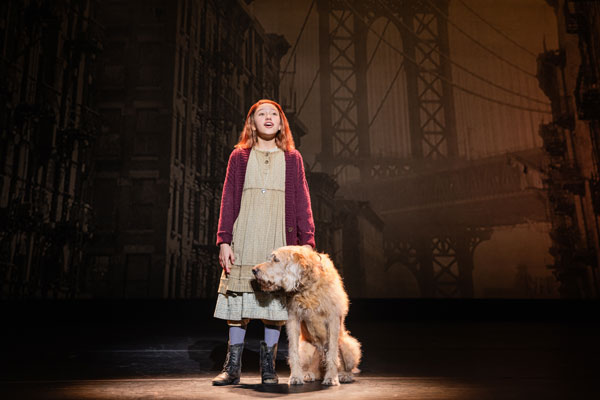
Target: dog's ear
column 316, row 260
column 306, row 260
column 292, row 277
column 311, row 260
column 300, row 259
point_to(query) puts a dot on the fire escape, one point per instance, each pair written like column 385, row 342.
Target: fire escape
column 573, row 187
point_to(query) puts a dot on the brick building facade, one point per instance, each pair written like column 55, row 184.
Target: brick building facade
column 48, row 54
column 176, row 82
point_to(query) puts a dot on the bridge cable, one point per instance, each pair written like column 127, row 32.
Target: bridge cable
column 443, row 78
column 461, row 67
column 387, row 93
column 308, row 93
column 504, row 35
column 297, row 40
column 445, row 16
column 389, row 89
column 378, row 43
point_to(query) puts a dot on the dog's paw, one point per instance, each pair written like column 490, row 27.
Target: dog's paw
column 309, row 376
column 296, row 380
column 346, row 378
column 330, row 381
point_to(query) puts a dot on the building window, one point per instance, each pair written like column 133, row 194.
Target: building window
column 149, row 76
column 141, row 216
column 105, row 198
column 142, row 204
column 151, row 53
column 145, row 144
column 147, row 120
column 146, row 132
column 113, row 77
column 109, row 142
column 151, row 61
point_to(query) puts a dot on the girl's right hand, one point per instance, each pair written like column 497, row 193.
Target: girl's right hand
column 226, row 257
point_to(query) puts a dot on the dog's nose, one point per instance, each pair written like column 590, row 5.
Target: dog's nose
column 254, row 271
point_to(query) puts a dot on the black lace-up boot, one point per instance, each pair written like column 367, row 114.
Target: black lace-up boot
column 232, row 368
column 267, row 364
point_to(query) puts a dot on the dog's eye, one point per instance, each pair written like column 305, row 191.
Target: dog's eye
column 275, row 259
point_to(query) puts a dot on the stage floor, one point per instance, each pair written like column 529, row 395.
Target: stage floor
column 157, row 354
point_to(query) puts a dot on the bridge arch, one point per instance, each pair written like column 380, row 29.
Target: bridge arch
column 402, row 278
column 389, row 124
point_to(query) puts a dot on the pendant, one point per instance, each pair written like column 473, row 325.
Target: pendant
column 263, row 191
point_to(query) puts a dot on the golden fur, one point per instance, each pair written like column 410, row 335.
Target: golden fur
column 317, row 307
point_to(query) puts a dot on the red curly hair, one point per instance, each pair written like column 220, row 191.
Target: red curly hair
column 283, row 138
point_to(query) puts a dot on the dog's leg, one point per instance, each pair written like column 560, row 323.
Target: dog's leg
column 310, row 360
column 293, row 332
column 332, row 353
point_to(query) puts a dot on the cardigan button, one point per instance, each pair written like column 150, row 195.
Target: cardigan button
column 290, row 229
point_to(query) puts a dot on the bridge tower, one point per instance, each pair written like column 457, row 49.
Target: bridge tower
column 343, row 29
column 443, row 263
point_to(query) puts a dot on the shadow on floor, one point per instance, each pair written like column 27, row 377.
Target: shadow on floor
column 284, row 388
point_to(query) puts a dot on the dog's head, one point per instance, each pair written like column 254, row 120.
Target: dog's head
column 289, row 268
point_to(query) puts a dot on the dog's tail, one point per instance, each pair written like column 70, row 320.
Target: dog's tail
column 350, row 352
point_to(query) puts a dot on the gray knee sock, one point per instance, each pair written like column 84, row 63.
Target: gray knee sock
column 272, row 335
column 236, row 335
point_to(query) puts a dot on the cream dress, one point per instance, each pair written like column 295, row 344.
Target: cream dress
column 258, row 230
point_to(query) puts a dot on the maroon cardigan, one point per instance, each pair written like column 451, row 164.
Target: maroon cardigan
column 299, row 224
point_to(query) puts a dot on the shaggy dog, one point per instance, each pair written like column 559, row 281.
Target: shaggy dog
column 319, row 344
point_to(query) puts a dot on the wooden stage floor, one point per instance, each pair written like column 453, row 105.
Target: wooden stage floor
column 412, row 350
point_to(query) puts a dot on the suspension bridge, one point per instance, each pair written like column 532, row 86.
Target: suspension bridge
column 441, row 139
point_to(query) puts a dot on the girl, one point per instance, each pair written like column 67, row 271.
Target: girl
column 265, row 205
